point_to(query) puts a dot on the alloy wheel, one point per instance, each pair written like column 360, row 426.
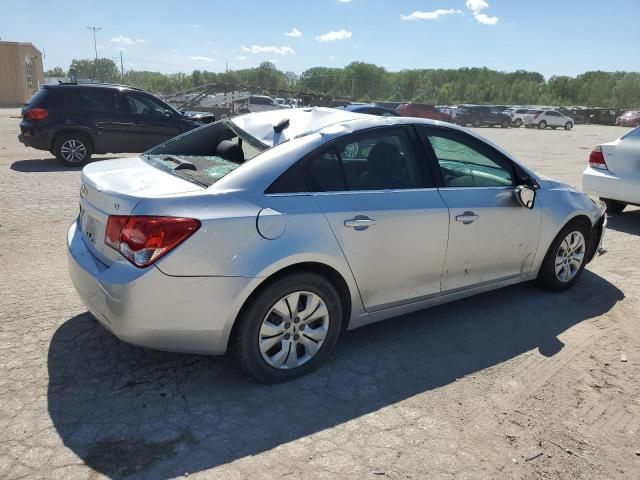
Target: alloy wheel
column 293, row 330
column 73, row 151
column 570, row 256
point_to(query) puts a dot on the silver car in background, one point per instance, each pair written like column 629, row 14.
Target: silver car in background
column 271, row 233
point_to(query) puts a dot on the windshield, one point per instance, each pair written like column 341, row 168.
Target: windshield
column 207, row 154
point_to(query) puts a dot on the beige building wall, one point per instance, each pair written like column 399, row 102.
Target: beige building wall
column 21, row 72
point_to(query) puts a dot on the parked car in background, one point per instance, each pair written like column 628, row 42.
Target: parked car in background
column 613, row 172
column 482, row 115
column 258, row 103
column 74, row 121
column 517, row 116
column 275, row 232
column 629, row 119
column 423, row 110
column 371, row 110
column 389, row 105
column 547, row 118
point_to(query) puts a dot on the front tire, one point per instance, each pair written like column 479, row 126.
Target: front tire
column 566, row 258
column 476, row 123
column 73, row 150
column 568, row 126
column 542, row 125
column 518, row 123
column 506, row 124
column 614, row 206
column 290, row 328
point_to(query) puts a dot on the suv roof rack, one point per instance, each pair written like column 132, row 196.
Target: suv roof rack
column 87, row 83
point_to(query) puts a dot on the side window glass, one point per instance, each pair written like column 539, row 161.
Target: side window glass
column 144, row 105
column 95, row 100
column 464, row 165
column 324, row 173
column 380, row 161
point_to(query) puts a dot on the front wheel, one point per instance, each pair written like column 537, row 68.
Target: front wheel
column 73, row 150
column 568, row 126
column 614, row 206
column 518, row 123
column 289, row 328
column 565, row 259
column 542, row 125
column 506, row 124
column 476, row 123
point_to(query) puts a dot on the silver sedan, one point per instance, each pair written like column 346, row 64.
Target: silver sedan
column 272, row 233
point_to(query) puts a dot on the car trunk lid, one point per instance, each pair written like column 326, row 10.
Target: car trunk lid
column 115, row 187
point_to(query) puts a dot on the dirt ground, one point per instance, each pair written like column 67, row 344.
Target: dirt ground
column 517, row 383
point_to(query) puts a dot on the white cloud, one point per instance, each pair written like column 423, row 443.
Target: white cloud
column 294, row 33
column 196, row 25
column 241, row 57
column 284, row 50
column 331, row 57
column 200, row 58
column 334, row 35
column 344, row 1
column 434, row 15
column 476, row 7
column 122, row 40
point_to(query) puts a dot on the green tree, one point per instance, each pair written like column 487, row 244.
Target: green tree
column 55, row 72
column 104, row 69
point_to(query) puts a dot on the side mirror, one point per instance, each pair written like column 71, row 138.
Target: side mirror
column 526, row 196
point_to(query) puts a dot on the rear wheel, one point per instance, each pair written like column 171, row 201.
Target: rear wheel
column 542, row 125
column 518, row 123
column 506, row 124
column 568, row 126
column 476, row 123
column 73, row 150
column 289, row 328
column 566, row 258
column 614, row 206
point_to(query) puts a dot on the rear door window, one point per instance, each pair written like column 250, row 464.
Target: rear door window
column 90, row 99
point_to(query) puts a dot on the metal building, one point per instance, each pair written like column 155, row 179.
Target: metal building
column 21, row 72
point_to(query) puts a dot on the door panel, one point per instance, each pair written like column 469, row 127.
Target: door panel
column 501, row 242
column 399, row 258
column 153, row 122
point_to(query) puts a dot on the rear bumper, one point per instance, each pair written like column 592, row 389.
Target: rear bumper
column 40, row 142
column 604, row 184
column 145, row 307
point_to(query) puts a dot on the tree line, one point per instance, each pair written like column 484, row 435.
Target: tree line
column 367, row 82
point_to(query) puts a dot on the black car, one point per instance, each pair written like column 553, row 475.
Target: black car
column 479, row 115
column 73, row 121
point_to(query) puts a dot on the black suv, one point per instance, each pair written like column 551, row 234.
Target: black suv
column 73, row 121
column 479, row 115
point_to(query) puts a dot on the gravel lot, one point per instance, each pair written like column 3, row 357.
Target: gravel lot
column 517, row 383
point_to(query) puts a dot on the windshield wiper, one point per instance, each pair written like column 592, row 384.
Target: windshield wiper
column 182, row 164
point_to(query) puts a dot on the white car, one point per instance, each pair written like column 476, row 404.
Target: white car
column 517, row 116
column 613, row 173
column 259, row 103
column 547, row 118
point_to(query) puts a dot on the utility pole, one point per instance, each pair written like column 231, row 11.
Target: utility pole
column 95, row 47
column 121, row 66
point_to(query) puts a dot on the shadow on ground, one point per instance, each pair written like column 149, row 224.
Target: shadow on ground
column 128, row 411
column 46, row 165
column 627, row 222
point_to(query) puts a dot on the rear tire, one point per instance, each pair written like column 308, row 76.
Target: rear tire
column 568, row 126
column 265, row 362
column 560, row 270
column 614, row 206
column 518, row 123
column 476, row 123
column 542, row 125
column 73, row 149
column 506, row 124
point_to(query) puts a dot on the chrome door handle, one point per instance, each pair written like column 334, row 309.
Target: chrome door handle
column 467, row 217
column 360, row 222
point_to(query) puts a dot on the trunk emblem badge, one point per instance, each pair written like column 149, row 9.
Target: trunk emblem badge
column 83, row 190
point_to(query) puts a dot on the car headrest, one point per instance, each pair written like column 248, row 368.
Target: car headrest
column 230, row 150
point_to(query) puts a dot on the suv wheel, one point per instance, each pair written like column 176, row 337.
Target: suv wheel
column 506, row 124
column 568, row 126
column 289, row 328
column 476, row 123
column 542, row 125
column 73, row 150
column 518, row 123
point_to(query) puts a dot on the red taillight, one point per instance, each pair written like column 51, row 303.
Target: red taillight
column 596, row 159
column 143, row 240
column 36, row 114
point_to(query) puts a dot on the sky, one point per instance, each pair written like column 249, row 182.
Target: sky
column 553, row 37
